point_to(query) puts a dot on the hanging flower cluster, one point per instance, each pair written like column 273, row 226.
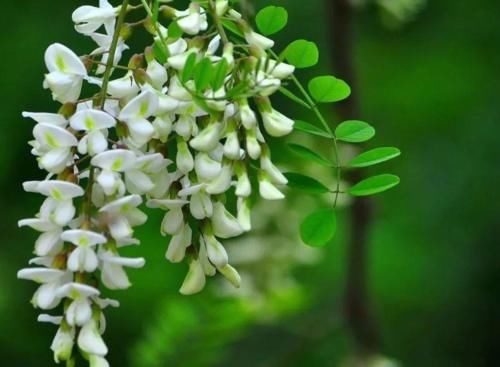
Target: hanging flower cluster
column 182, row 130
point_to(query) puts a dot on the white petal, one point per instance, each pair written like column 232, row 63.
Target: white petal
column 60, row 58
column 224, row 224
column 52, row 136
column 142, row 106
column 178, row 244
column 88, row 120
column 117, row 160
column 195, row 279
column 90, row 341
column 173, row 222
column 216, row 252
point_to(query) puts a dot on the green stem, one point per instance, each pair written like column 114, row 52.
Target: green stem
column 218, row 23
column 317, row 112
column 155, row 25
column 112, row 52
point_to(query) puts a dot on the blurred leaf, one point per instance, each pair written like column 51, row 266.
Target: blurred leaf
column 319, row 228
column 374, row 185
column 174, row 31
column 310, row 155
column 327, row 89
column 302, row 54
column 305, row 183
column 187, row 72
column 374, row 156
column 155, row 10
column 160, row 52
column 220, row 75
column 354, row 131
column 311, row 129
column 294, row 97
column 203, row 73
column 271, row 19
column 233, row 28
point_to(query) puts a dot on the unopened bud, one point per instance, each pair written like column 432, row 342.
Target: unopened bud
column 67, row 110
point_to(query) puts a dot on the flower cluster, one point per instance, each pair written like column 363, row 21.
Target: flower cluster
column 182, row 129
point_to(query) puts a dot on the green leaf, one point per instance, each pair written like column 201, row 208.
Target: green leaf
column 271, row 19
column 174, row 31
column 187, row 72
column 374, row 156
column 374, row 185
column 328, row 89
column 160, row 52
column 305, row 183
column 302, row 54
column 354, row 131
column 203, row 73
column 294, row 97
column 306, row 127
column 308, row 154
column 319, row 228
column 233, row 28
column 220, row 75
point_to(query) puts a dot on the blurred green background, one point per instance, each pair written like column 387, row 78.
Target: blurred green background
column 429, row 85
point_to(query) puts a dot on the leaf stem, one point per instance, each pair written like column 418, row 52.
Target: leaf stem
column 218, row 23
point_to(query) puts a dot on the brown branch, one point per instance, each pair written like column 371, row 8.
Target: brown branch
column 357, row 311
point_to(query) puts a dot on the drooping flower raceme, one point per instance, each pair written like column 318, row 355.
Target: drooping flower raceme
column 180, row 127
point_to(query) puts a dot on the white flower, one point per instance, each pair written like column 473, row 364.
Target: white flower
column 83, row 258
column 221, row 7
column 258, row 40
column 53, row 145
column 192, row 20
column 104, row 44
column 90, row 340
column 79, row 311
column 244, row 214
column 112, row 162
column 195, row 279
column 277, row 124
column 206, row 168
column 232, row 149
column 141, row 178
column 184, row 160
column 46, row 296
column 253, row 147
column 200, row 205
column 66, row 73
column 88, row 19
column 208, row 138
column 224, row 224
column 97, row 361
column 267, row 190
column 95, row 123
column 123, row 88
column 49, row 242
column 243, row 185
column 47, row 118
column 122, row 214
column 157, row 73
column 178, row 244
column 223, row 181
column 58, row 207
column 113, row 275
column 272, row 171
column 135, row 115
column 216, row 252
column 277, row 69
column 63, row 342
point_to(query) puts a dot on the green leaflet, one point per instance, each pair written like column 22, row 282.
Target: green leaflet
column 374, row 185
column 354, row 131
column 271, row 19
column 302, row 54
column 319, row 228
column 328, row 89
column 374, row 156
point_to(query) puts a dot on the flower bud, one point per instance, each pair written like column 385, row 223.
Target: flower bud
column 216, row 252
column 184, row 160
column 223, row 181
column 224, row 224
column 208, row 138
column 252, row 145
column 178, row 245
column 231, row 275
column 267, row 190
column 201, row 206
column 63, row 342
column 173, row 221
column 195, row 279
column 207, row 169
column 277, row 124
column 244, row 214
column 243, row 186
